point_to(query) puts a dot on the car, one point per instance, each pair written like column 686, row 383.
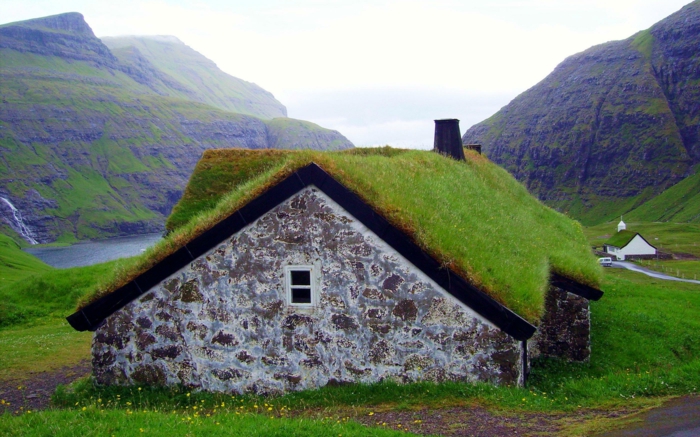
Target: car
column 605, row 262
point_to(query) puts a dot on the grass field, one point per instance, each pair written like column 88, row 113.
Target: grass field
column 645, row 348
column 48, row 345
column 15, row 264
column 680, row 203
column 678, row 268
column 635, row 311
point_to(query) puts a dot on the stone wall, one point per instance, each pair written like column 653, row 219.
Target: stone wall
column 565, row 329
column 223, row 324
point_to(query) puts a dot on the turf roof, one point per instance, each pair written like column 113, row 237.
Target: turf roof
column 472, row 216
column 621, row 238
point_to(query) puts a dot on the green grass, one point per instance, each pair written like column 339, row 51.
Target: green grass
column 16, row 264
column 47, row 293
column 47, row 344
column 678, row 268
column 621, row 238
column 644, row 42
column 472, row 216
column 679, row 203
column 212, row 179
column 94, row 421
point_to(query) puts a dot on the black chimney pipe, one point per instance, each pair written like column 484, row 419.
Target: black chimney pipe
column 448, row 139
column 474, row 147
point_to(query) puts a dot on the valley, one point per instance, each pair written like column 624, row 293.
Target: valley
column 96, row 144
column 143, row 137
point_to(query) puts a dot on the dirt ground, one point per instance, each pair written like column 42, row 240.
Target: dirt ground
column 476, row 421
column 34, row 393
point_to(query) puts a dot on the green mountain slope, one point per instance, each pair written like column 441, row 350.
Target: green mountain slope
column 16, row 264
column 89, row 149
column 183, row 72
column 610, row 127
column 679, row 204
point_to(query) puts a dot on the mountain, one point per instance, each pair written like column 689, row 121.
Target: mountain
column 678, row 204
column 96, row 143
column 610, row 127
column 169, row 67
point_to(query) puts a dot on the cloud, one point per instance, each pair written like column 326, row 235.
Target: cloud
column 330, row 60
column 398, row 116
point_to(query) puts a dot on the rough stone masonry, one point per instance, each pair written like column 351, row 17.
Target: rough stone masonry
column 223, row 323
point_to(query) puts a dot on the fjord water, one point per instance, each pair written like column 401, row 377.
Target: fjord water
column 87, row 253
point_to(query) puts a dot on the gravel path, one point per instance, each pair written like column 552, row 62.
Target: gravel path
column 34, row 393
column 470, row 421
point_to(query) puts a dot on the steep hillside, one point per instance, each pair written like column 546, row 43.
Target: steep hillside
column 92, row 147
column 679, row 204
column 610, row 127
column 170, row 67
column 16, row 264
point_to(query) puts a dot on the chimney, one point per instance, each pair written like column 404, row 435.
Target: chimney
column 474, row 147
column 448, row 139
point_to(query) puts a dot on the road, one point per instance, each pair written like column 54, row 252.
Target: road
column 634, row 267
column 677, row 418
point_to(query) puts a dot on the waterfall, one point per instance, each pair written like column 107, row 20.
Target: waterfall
column 23, row 229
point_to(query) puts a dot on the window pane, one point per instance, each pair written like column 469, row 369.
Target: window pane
column 301, row 277
column 301, row 295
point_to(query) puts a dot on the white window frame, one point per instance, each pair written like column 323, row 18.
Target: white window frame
column 288, row 285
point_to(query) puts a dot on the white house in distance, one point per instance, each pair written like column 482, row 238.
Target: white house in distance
column 630, row 244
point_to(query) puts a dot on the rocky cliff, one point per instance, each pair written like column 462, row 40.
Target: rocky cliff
column 610, row 127
column 95, row 144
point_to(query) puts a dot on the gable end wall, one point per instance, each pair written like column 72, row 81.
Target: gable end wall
column 565, row 329
column 222, row 323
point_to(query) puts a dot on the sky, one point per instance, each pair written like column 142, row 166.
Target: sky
column 378, row 71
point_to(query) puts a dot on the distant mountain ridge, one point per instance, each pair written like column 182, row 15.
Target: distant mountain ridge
column 96, row 143
column 185, row 73
column 610, row 127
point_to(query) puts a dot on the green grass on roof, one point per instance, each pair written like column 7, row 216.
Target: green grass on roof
column 621, row 238
column 472, row 216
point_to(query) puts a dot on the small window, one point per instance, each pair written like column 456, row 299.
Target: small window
column 299, row 282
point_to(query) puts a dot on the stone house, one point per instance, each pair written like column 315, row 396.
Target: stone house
column 307, row 285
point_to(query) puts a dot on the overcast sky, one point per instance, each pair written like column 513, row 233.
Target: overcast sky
column 378, row 71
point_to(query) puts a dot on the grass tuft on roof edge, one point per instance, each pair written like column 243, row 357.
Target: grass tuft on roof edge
column 472, row 216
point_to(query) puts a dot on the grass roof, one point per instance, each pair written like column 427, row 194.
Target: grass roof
column 472, row 216
column 621, row 238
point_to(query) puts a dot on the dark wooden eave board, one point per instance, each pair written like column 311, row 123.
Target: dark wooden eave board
column 92, row 315
column 574, row 287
